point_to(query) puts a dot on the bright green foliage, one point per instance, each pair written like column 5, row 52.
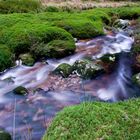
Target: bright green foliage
column 6, row 57
column 97, row 120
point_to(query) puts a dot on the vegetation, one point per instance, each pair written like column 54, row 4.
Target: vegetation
column 27, row 59
column 6, row 57
column 19, row 6
column 63, row 69
column 47, row 35
column 97, row 120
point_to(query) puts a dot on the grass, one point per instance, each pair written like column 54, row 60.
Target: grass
column 19, row 6
column 97, row 120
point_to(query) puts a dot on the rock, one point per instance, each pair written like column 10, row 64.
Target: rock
column 87, row 69
column 5, row 135
column 121, row 24
column 108, row 61
column 136, row 79
column 27, row 59
column 20, row 90
column 54, row 49
column 64, row 70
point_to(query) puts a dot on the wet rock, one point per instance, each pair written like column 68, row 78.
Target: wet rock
column 64, row 70
column 136, row 79
column 87, row 69
column 121, row 24
column 27, row 59
column 5, row 135
column 20, row 90
column 109, row 61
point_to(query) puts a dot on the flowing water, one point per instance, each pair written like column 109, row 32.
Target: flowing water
column 28, row 117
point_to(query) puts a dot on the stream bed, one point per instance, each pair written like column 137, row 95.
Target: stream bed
column 27, row 117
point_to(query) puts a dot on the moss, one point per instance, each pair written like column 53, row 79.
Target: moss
column 6, row 57
column 20, row 90
column 87, row 69
column 64, row 70
column 19, row 6
column 5, row 135
column 97, row 120
column 82, row 28
column 27, row 59
column 20, row 38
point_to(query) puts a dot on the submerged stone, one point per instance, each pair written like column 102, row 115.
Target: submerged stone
column 64, row 70
column 87, row 69
column 5, row 135
column 20, row 90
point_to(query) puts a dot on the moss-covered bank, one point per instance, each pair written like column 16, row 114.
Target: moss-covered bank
column 46, row 34
column 97, row 120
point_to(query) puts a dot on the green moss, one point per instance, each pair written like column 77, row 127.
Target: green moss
column 27, row 59
column 19, row 6
column 87, row 69
column 20, row 38
column 82, row 28
column 4, row 135
column 63, row 69
column 6, row 57
column 97, row 120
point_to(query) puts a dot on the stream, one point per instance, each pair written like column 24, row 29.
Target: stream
column 27, row 117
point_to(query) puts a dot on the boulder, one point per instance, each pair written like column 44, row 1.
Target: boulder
column 64, row 70
column 87, row 69
column 27, row 59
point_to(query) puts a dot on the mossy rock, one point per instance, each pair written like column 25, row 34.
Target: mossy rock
column 54, row 49
column 27, row 59
column 23, row 37
column 6, row 57
column 136, row 79
column 64, row 70
column 87, row 69
column 82, row 29
column 121, row 24
column 97, row 120
column 20, row 90
column 5, row 135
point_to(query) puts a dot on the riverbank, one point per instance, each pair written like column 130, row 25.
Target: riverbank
column 97, row 120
